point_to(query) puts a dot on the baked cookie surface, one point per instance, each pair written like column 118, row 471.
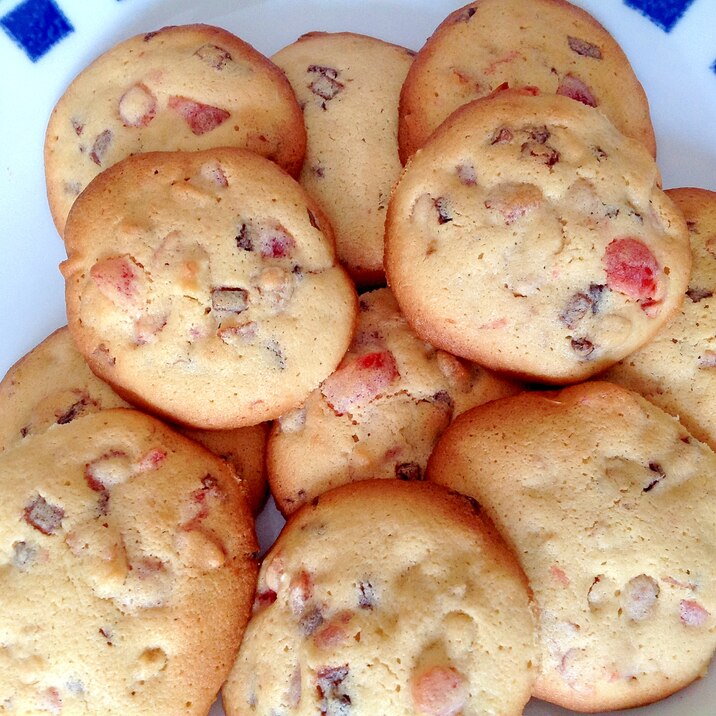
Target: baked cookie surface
column 386, row 597
column 529, row 235
column 116, row 534
column 608, row 504
column 54, row 385
column 348, row 86
column 379, row 414
column 548, row 44
column 186, row 87
column 204, row 286
column 676, row 370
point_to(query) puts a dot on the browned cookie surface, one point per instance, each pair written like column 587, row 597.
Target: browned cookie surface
column 531, row 236
column 128, row 570
column 608, row 503
column 184, row 87
column 204, row 286
column 550, row 45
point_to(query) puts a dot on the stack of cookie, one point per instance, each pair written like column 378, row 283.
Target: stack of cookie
column 220, row 212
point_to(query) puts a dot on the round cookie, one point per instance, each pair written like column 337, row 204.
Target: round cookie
column 379, row 415
column 529, row 235
column 348, row 86
column 181, row 88
column 550, row 45
column 608, row 504
column 204, row 286
column 54, row 385
column 386, row 597
column 128, row 570
column 676, row 370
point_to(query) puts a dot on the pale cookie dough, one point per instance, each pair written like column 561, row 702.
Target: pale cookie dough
column 379, row 414
column 386, row 597
column 676, row 370
column 54, row 385
column 348, row 86
column 531, row 236
column 204, row 287
column 550, row 45
column 609, row 506
column 184, row 87
column 128, row 567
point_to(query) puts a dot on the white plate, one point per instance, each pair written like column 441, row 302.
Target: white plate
column 677, row 69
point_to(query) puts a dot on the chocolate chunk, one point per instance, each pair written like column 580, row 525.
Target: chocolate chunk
column 234, row 300
column 660, row 475
column 582, row 347
column 584, row 48
column 441, row 205
column 408, row 471
column 310, row 620
column 698, row 294
column 326, row 85
column 502, row 136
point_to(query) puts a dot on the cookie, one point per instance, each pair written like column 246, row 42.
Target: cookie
column 348, row 86
column 609, row 504
column 53, row 385
column 379, row 415
column 530, row 236
column 386, row 597
column 676, row 370
column 550, row 45
column 128, row 570
column 181, row 88
column 204, row 286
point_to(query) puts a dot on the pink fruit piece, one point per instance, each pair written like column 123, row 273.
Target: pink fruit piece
column 137, row 106
column 692, row 614
column 121, row 280
column 360, row 380
column 43, row 516
column 466, row 174
column 275, row 242
column 201, row 118
column 439, row 691
column 152, row 460
column 310, row 620
column 300, row 590
column 502, row 136
column 631, row 269
column 334, row 633
column 559, row 575
column 100, row 147
column 574, row 88
column 264, row 599
column 584, row 48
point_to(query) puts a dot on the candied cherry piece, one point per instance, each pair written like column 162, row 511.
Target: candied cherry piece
column 201, row 118
column 360, row 380
column 631, row 269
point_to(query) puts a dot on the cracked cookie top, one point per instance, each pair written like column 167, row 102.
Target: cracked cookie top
column 608, row 503
column 128, row 569
column 204, row 286
column 184, row 87
column 531, row 236
column 379, row 414
column 550, row 45
column 387, row 597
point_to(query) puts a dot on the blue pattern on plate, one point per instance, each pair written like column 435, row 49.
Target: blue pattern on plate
column 36, row 25
column 664, row 13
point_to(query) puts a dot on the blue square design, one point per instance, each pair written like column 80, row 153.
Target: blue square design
column 664, row 13
column 36, row 25
column 713, row 65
